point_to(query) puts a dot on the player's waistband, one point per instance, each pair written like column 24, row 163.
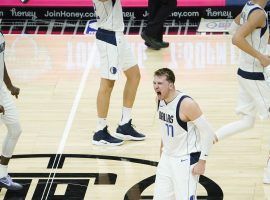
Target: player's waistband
column 104, row 31
column 258, row 76
column 193, row 157
column 106, row 36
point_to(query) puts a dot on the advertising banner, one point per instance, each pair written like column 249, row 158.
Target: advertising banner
column 132, row 9
column 125, row 3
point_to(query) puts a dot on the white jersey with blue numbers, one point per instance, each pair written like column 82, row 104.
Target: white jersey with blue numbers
column 109, row 15
column 258, row 39
column 2, row 50
column 179, row 138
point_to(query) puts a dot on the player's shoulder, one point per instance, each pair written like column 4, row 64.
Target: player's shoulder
column 257, row 16
column 188, row 103
column 255, row 8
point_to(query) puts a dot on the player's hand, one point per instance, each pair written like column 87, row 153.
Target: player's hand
column 264, row 60
column 199, row 168
column 2, row 110
column 15, row 91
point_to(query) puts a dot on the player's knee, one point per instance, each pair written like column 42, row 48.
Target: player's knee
column 14, row 130
column 137, row 76
column 106, row 87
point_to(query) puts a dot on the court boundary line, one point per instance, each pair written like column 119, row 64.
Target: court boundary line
column 69, row 123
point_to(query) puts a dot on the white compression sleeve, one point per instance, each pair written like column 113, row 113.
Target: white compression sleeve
column 233, row 28
column 206, row 134
column 245, row 123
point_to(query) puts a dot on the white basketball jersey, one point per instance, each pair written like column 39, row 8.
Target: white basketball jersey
column 2, row 50
column 109, row 15
column 258, row 39
column 179, row 138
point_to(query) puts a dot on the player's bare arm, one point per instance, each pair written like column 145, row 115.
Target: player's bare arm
column 257, row 19
column 15, row 91
column 237, row 19
column 190, row 111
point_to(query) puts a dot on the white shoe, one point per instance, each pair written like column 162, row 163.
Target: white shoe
column 266, row 176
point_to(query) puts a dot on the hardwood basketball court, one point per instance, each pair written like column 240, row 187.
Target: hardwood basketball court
column 59, row 79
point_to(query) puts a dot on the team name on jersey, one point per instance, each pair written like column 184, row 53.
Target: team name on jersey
column 166, row 117
column 2, row 47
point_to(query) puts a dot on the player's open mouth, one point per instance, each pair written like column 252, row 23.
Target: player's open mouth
column 158, row 93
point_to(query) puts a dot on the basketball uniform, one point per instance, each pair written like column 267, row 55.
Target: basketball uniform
column 11, row 115
column 181, row 151
column 115, row 52
column 254, row 92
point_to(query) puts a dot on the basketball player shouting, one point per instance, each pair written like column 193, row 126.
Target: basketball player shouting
column 186, row 141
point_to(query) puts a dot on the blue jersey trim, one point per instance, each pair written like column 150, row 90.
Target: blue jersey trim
column 257, row 76
column 180, row 122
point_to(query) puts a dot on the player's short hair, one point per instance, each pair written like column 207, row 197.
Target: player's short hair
column 170, row 77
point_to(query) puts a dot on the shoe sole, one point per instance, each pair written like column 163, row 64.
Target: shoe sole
column 145, row 38
column 11, row 189
column 164, row 47
column 104, row 143
column 127, row 137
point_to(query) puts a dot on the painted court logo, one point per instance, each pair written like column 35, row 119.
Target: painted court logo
column 80, row 184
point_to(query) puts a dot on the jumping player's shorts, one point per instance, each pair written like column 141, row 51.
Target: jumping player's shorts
column 254, row 94
column 115, row 53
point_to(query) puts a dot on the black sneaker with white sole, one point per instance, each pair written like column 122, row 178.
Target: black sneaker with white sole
column 103, row 138
column 127, row 132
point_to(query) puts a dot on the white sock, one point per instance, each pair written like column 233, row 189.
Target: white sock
column 126, row 115
column 101, row 124
column 3, row 170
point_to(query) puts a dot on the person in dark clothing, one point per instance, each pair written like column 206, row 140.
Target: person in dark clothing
column 158, row 11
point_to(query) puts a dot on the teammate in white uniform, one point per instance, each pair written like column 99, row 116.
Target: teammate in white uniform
column 9, row 117
column 115, row 56
column 186, row 141
column 251, row 37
